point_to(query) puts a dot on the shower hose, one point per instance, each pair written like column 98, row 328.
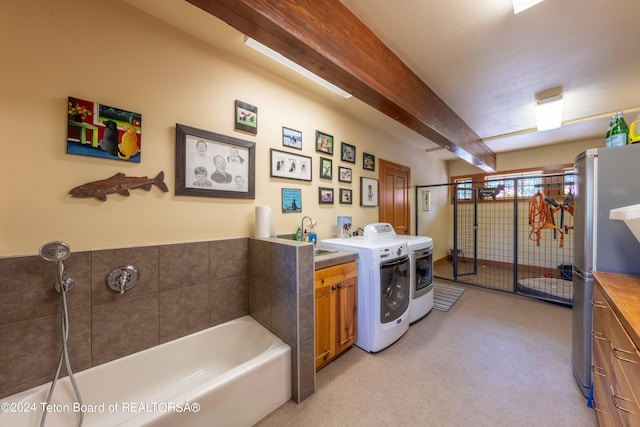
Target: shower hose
column 64, row 354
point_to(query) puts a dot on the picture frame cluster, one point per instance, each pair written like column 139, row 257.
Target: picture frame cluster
column 289, row 165
column 205, row 161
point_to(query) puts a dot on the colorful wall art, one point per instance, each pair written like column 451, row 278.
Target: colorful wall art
column 100, row 130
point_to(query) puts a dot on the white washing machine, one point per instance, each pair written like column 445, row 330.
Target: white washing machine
column 421, row 253
column 384, row 289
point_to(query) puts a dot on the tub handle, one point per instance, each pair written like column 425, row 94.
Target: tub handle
column 123, row 278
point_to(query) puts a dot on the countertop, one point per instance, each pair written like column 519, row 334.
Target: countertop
column 622, row 292
column 334, row 258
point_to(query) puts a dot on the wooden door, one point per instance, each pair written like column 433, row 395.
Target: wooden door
column 394, row 196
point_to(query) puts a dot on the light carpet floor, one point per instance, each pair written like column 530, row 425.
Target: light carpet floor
column 495, row 359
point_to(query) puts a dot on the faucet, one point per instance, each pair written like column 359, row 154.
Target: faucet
column 311, row 223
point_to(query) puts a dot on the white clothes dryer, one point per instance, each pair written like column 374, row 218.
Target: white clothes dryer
column 384, row 289
column 421, row 254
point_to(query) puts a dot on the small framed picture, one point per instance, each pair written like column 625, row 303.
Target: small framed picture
column 325, row 196
column 324, row 142
column 291, row 200
column 290, row 165
column 346, row 195
column 246, row 117
column 326, row 168
column 368, row 162
column 368, row 191
column 348, row 153
column 344, row 174
column 291, row 138
column 426, row 200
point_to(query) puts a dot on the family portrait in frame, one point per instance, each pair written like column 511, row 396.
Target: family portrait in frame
column 213, row 165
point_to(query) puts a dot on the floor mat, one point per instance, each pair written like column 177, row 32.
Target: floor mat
column 444, row 296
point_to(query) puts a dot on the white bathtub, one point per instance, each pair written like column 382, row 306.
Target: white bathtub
column 232, row 374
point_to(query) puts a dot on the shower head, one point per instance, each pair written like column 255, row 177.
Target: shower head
column 58, row 252
column 55, row 251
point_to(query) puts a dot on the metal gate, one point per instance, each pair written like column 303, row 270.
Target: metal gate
column 513, row 235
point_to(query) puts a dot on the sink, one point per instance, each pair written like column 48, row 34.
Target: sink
column 317, row 252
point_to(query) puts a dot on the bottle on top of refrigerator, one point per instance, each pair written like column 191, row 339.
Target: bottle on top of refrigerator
column 619, row 132
column 607, row 137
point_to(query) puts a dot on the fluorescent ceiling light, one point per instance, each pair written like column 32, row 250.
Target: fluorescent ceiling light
column 288, row 63
column 520, row 5
column 549, row 112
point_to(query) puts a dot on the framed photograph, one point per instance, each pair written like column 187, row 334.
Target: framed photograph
column 290, row 165
column 368, row 162
column 344, row 226
column 213, row 165
column 246, row 117
column 368, row 191
column 325, row 196
column 326, row 168
column 346, row 196
column 291, row 138
column 426, row 200
column 324, row 142
column 348, row 153
column 344, row 174
column 291, row 200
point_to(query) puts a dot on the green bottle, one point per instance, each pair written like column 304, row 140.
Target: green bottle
column 607, row 137
column 620, row 132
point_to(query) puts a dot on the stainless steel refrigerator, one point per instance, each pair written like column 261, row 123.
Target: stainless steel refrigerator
column 607, row 178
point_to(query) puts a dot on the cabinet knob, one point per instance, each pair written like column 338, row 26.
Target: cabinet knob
column 339, row 285
column 333, row 288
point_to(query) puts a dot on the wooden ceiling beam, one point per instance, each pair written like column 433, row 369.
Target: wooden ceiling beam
column 324, row 37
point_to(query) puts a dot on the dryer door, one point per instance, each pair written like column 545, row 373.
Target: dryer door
column 395, row 288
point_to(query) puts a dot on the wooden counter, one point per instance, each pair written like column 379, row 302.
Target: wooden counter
column 616, row 349
column 623, row 294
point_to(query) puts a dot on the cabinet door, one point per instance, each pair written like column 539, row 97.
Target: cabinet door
column 325, row 337
column 624, row 363
column 347, row 313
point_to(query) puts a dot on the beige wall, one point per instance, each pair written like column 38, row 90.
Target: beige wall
column 113, row 54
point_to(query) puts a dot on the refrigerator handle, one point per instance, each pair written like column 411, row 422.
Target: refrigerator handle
column 582, row 274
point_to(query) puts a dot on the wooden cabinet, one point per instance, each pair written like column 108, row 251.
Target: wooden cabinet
column 616, row 358
column 336, row 294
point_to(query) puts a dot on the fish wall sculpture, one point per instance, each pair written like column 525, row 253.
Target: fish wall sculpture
column 118, row 183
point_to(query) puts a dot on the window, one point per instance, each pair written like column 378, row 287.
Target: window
column 569, row 181
column 464, row 188
column 553, row 180
column 522, row 184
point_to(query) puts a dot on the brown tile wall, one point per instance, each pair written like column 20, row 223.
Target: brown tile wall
column 182, row 288
column 281, row 295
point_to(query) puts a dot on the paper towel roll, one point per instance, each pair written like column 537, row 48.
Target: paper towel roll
column 264, row 222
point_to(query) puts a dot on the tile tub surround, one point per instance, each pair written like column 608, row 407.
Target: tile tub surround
column 183, row 288
column 281, row 295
